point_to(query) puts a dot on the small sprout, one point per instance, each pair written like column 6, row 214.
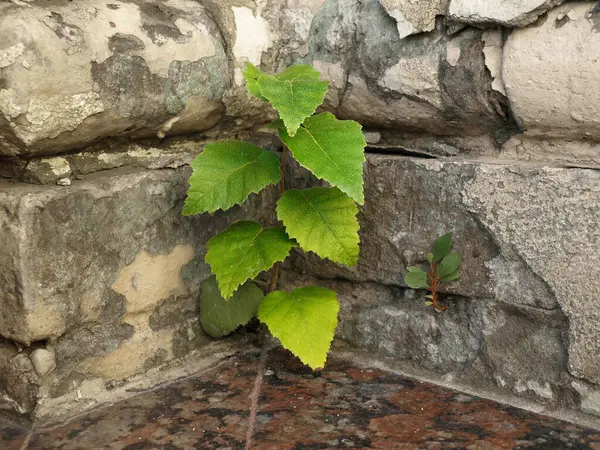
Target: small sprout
column 443, row 266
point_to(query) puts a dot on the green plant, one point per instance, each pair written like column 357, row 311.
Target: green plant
column 443, row 267
column 319, row 219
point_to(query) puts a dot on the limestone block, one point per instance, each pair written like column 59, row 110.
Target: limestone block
column 111, row 246
column 78, row 71
column 551, row 74
column 414, row 17
column 528, row 236
column 510, row 13
column 550, row 218
column 430, row 83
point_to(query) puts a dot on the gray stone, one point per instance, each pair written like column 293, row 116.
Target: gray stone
column 551, row 96
column 510, row 13
column 394, row 323
column 590, row 397
column 18, row 383
column 549, row 217
column 524, row 348
column 431, row 83
column 527, row 235
column 46, row 170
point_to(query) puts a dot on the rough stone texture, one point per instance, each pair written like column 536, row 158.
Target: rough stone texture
column 108, row 273
column 489, row 346
column 414, row 16
column 551, row 74
column 135, row 67
column 528, row 236
column 128, row 223
column 550, row 217
column 99, row 273
column 431, row 82
column 122, row 85
column 510, row 13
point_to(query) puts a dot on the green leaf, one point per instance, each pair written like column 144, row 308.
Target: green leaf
column 322, row 220
column 451, row 276
column 304, row 321
column 299, row 72
column 441, row 247
column 428, row 303
column 251, row 74
column 416, row 280
column 220, row 317
column 244, row 250
column 448, row 265
column 429, row 296
column 430, row 257
column 414, row 269
column 331, row 149
column 295, row 99
column 226, row 173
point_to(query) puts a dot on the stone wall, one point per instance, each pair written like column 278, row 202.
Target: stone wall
column 483, row 118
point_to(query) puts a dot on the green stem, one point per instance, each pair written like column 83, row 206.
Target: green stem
column 275, row 272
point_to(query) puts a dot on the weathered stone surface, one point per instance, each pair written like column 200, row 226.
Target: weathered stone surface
column 527, row 236
column 486, row 345
column 551, row 74
column 550, row 218
column 414, row 17
column 569, row 153
column 135, row 67
column 67, row 249
column 510, row 13
column 525, row 348
column 121, row 84
column 107, row 272
column 433, row 82
column 44, row 361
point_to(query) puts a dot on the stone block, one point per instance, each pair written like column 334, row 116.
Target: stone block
column 100, row 283
column 412, row 17
column 551, row 74
column 137, row 67
column 528, row 235
column 509, row 13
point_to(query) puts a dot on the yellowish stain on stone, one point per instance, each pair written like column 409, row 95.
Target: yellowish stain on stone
column 144, row 283
column 152, row 278
column 129, row 358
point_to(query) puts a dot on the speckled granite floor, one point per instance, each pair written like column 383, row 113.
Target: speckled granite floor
column 342, row 407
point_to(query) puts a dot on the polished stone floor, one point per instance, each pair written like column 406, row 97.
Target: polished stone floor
column 341, row 407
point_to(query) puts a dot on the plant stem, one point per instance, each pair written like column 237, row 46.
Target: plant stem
column 275, row 273
column 434, row 282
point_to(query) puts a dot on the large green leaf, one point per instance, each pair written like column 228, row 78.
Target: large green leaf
column 304, row 321
column 220, row 317
column 226, row 173
column 244, row 250
column 322, row 220
column 416, row 279
column 294, row 98
column 448, row 265
column 331, row 149
column 441, row 247
column 297, row 72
